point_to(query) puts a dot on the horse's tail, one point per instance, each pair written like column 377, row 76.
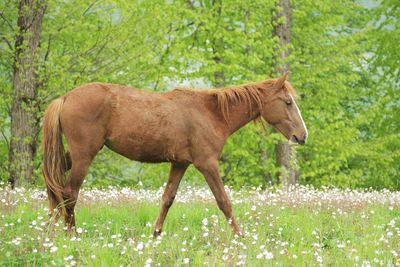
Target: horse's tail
column 54, row 159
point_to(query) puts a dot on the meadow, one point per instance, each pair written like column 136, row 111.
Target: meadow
column 299, row 227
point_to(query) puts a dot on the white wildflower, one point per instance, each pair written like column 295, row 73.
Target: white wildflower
column 268, row 255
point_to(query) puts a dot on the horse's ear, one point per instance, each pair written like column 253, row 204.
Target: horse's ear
column 281, row 81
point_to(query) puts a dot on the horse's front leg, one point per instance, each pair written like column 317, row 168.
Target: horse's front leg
column 210, row 170
column 175, row 176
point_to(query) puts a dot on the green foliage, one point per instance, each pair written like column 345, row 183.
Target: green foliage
column 351, row 139
column 385, row 33
column 249, row 158
column 344, row 63
column 229, row 36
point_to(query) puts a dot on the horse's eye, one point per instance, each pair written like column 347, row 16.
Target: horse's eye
column 288, row 103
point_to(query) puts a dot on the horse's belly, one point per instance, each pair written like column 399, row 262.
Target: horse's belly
column 149, row 134
column 150, row 151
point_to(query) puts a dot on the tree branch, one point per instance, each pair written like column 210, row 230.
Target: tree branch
column 89, row 7
column 5, row 138
column 191, row 4
column 7, row 42
column 6, row 20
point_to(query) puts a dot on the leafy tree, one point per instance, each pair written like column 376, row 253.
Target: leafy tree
column 386, row 32
column 126, row 44
column 341, row 98
column 343, row 64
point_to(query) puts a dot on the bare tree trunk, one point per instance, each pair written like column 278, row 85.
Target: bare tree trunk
column 285, row 158
column 24, row 111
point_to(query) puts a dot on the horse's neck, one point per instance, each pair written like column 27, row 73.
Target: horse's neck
column 240, row 114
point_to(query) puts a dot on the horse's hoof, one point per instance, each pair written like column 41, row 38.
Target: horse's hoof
column 156, row 232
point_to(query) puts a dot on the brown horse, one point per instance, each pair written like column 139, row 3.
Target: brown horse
column 183, row 126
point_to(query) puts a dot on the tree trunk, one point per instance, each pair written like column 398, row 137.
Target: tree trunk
column 283, row 32
column 264, row 157
column 24, row 111
column 285, row 158
column 217, row 47
column 219, row 76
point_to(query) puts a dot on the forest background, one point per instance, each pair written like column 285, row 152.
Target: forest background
column 344, row 61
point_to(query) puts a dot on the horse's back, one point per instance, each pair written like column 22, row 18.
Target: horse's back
column 97, row 101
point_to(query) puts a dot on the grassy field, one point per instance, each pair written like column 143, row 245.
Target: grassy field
column 302, row 227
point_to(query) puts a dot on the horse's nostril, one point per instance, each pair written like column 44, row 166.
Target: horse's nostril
column 305, row 136
column 300, row 142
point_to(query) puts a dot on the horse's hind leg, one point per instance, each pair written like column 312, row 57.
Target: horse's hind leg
column 76, row 176
column 82, row 152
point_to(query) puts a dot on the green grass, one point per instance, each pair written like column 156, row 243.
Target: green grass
column 119, row 233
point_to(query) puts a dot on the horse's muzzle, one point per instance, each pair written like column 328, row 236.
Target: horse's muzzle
column 299, row 141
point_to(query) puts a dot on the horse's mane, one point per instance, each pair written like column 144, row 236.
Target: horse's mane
column 249, row 93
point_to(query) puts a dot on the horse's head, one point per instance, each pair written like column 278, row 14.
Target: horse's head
column 280, row 111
